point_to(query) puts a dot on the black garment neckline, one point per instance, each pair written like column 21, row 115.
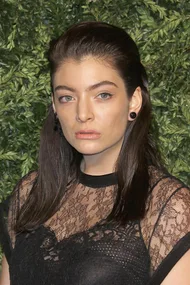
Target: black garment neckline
column 97, row 181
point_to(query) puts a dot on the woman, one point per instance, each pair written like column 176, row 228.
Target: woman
column 101, row 209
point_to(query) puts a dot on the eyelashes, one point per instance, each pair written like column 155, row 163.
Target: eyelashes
column 105, row 95
column 101, row 96
column 65, row 99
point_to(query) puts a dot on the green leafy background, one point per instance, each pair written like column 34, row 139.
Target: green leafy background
column 162, row 32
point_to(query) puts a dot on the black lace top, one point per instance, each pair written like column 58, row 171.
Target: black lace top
column 77, row 246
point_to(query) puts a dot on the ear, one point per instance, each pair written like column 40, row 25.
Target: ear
column 53, row 103
column 135, row 102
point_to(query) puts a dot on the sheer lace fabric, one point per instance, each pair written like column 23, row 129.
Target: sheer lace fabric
column 167, row 219
column 140, row 246
column 18, row 198
column 82, row 208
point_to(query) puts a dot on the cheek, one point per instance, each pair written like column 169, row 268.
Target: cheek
column 116, row 119
column 66, row 124
column 66, row 127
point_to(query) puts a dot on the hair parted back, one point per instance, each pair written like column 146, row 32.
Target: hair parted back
column 59, row 162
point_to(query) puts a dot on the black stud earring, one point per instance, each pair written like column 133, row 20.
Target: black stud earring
column 133, row 115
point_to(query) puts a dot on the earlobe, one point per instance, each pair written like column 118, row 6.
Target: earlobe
column 135, row 104
column 133, row 115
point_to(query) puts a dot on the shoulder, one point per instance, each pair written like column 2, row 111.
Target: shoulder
column 21, row 191
column 9, row 209
column 27, row 181
column 168, row 202
column 24, row 186
column 172, row 210
column 166, row 225
column 166, row 189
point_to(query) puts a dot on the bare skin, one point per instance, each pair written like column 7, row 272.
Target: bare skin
column 4, row 278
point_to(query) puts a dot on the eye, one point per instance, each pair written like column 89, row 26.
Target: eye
column 65, row 99
column 105, row 96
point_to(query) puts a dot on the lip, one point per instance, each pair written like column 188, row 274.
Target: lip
column 87, row 134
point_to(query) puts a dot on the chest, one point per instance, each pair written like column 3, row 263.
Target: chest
column 104, row 254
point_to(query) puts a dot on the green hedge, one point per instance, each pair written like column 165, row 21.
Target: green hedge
column 161, row 29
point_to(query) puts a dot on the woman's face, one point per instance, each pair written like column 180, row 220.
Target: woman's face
column 91, row 104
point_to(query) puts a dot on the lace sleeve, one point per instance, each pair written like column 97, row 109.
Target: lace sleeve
column 166, row 228
column 172, row 225
column 9, row 209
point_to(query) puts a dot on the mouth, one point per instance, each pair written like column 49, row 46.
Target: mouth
column 87, row 134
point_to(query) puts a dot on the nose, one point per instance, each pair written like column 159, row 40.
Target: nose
column 84, row 111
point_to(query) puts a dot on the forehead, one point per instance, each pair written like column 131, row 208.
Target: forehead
column 88, row 70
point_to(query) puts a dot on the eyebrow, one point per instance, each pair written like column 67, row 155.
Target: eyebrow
column 90, row 88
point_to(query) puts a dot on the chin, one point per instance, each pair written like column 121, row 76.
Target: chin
column 89, row 149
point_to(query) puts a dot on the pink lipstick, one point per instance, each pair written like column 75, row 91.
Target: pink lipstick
column 87, row 135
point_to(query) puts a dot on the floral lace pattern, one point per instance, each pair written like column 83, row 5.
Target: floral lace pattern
column 82, row 208
column 166, row 221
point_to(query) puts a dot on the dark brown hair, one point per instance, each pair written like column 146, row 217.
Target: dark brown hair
column 59, row 162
